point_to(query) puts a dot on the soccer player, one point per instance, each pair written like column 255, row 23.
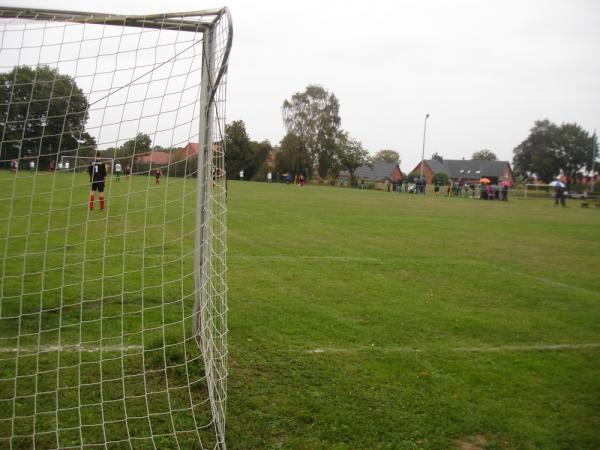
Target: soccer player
column 118, row 169
column 97, row 171
column 157, row 174
column 13, row 166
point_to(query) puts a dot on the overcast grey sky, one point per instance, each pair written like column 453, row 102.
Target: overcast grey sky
column 484, row 70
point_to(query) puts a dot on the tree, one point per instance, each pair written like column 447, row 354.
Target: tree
column 550, row 149
column 139, row 145
column 484, row 154
column 573, row 150
column 238, row 155
column 535, row 155
column 437, row 157
column 386, row 156
column 351, row 154
column 260, row 151
column 42, row 113
column 313, row 117
column 293, row 156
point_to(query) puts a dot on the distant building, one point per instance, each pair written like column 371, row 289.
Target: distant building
column 467, row 170
column 379, row 173
column 155, row 157
column 162, row 157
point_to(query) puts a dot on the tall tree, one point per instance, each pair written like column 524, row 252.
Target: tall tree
column 313, row 116
column 351, row 154
column 535, row 155
column 386, row 156
column 260, row 151
column 573, row 150
column 293, row 156
column 139, row 145
column 550, row 150
column 239, row 155
column 485, row 154
column 42, row 113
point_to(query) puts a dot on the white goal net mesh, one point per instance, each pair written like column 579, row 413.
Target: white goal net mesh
column 113, row 288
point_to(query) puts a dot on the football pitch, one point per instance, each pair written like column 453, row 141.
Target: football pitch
column 362, row 319
column 358, row 319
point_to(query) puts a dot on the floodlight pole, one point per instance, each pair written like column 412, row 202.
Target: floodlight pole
column 423, row 151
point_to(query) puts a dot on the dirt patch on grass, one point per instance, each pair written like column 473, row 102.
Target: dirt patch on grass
column 481, row 442
column 476, row 442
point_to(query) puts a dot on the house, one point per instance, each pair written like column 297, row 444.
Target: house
column 466, row 170
column 160, row 157
column 379, row 173
column 155, row 158
column 189, row 151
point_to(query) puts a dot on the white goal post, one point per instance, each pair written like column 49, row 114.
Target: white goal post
column 536, row 190
column 113, row 305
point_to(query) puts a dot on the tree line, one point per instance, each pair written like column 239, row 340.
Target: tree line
column 43, row 112
column 314, row 143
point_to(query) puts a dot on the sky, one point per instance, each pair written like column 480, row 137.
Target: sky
column 483, row 70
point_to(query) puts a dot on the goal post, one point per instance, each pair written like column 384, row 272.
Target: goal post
column 536, row 190
column 113, row 306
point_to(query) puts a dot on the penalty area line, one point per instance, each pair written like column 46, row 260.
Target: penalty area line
column 500, row 348
column 75, row 348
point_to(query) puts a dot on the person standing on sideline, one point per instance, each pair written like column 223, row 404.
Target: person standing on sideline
column 97, row 172
column 505, row 192
column 269, row 177
column 157, row 174
column 242, row 175
column 118, row 169
column 559, row 196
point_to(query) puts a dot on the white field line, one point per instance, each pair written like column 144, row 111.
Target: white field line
column 83, row 348
column 306, row 258
column 498, row 349
column 547, row 281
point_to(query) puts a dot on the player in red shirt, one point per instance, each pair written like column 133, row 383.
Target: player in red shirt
column 97, row 171
column 13, row 166
column 157, row 174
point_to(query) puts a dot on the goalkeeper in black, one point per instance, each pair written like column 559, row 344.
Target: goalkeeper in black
column 97, row 171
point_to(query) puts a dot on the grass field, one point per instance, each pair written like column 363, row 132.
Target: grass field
column 362, row 319
column 358, row 319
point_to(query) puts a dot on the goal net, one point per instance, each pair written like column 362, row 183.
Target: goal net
column 113, row 307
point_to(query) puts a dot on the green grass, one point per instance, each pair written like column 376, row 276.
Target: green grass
column 358, row 319
column 351, row 312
